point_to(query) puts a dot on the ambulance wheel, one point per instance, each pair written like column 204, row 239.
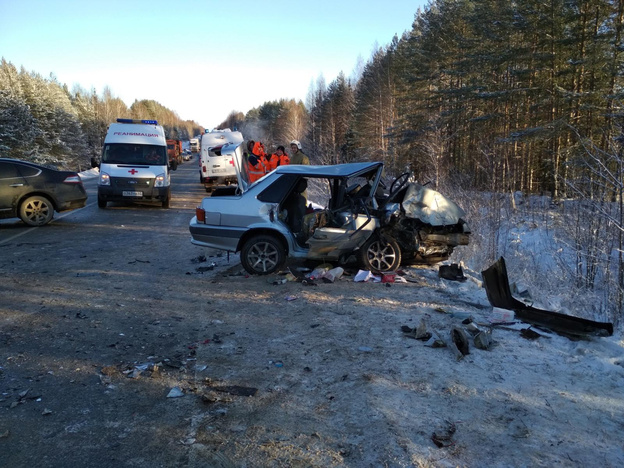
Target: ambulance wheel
column 102, row 203
column 262, row 255
column 380, row 253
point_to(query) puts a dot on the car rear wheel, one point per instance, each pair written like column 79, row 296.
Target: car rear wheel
column 262, row 255
column 380, row 253
column 36, row 211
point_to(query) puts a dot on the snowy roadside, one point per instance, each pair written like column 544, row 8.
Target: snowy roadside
column 90, row 174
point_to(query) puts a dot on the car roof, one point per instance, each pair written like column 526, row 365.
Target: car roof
column 336, row 170
column 28, row 163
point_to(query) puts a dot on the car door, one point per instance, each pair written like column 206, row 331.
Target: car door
column 12, row 187
column 347, row 224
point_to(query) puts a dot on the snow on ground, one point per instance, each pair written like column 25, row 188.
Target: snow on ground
column 381, row 394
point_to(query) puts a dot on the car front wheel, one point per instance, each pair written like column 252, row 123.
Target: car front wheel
column 262, row 255
column 380, row 253
column 36, row 211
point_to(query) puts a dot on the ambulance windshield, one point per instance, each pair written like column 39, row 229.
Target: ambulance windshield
column 127, row 153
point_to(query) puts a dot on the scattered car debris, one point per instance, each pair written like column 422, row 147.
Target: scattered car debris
column 364, row 276
column 236, row 390
column 460, row 341
column 499, row 294
column 435, row 341
column 452, row 272
column 204, row 269
column 4, row 435
column 418, row 333
column 483, row 340
column 499, row 315
column 46, row 412
column 529, row 334
column 443, row 437
column 175, row 392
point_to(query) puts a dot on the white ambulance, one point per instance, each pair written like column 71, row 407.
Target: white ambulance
column 215, row 167
column 134, row 164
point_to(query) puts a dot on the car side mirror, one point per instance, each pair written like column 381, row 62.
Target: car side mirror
column 173, row 164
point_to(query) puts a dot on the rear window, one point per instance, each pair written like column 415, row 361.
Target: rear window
column 277, row 191
column 28, row 171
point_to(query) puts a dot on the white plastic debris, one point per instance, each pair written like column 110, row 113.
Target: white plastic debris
column 333, row 274
column 175, row 392
column 363, row 276
column 499, row 315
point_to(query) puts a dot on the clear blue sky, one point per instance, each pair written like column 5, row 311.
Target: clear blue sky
column 201, row 59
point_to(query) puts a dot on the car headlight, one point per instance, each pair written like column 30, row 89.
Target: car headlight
column 104, row 179
column 161, row 180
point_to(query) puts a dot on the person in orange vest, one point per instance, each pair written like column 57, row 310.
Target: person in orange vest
column 279, row 158
column 257, row 162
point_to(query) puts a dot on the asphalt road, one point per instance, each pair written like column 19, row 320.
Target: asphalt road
column 97, row 288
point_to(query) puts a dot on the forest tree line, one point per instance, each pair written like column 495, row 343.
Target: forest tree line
column 42, row 121
column 507, row 95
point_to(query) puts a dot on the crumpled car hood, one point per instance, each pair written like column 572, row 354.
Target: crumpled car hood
column 430, row 207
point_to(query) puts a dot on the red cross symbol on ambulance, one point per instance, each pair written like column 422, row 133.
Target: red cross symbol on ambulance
column 133, row 171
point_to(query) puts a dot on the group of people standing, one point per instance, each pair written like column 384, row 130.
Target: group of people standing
column 259, row 162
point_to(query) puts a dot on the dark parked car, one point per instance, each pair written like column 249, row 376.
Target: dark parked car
column 33, row 192
column 383, row 226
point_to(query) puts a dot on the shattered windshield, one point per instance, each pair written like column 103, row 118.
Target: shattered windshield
column 128, row 153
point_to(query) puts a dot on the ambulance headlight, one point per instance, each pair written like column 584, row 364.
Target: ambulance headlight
column 104, row 179
column 161, row 180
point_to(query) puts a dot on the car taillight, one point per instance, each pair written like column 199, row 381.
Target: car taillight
column 200, row 214
column 75, row 179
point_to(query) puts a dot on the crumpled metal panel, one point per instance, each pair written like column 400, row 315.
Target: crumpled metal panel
column 430, row 207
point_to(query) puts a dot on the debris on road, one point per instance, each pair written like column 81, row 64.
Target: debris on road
column 460, row 342
column 175, row 392
column 452, row 272
column 443, row 437
column 499, row 294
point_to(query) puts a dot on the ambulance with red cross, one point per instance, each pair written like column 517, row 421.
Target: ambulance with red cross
column 216, row 167
column 134, row 165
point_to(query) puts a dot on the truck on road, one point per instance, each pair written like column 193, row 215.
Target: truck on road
column 194, row 145
column 174, row 150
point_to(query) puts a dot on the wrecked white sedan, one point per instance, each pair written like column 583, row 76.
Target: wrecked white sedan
column 356, row 215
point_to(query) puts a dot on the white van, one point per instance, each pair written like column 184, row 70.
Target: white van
column 215, row 167
column 134, row 164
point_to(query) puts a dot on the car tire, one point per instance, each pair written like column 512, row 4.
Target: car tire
column 36, row 211
column 262, row 255
column 166, row 202
column 380, row 253
column 102, row 203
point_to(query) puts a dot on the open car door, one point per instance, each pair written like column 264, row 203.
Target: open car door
column 348, row 221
